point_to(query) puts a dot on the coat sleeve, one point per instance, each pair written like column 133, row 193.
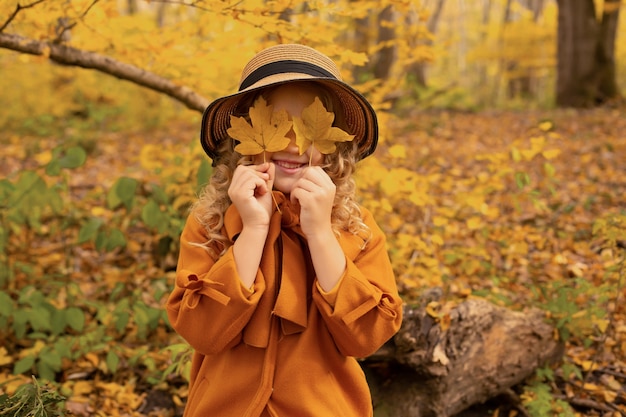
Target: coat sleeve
column 365, row 310
column 209, row 306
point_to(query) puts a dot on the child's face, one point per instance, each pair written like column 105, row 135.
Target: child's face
column 289, row 163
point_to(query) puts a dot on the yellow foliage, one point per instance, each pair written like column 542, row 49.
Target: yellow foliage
column 5, row 358
column 39, row 344
column 202, row 47
column 10, row 382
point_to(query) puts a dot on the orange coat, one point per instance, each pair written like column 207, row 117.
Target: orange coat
column 284, row 348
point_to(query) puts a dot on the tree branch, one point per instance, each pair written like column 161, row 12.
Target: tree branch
column 67, row 55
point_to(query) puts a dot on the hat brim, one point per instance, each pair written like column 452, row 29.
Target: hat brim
column 360, row 117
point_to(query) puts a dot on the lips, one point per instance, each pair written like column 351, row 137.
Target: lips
column 289, row 164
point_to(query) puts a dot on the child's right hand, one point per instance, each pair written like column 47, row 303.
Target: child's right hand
column 251, row 192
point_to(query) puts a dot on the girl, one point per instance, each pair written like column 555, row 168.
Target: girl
column 283, row 280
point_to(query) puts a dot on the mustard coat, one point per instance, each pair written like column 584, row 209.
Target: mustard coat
column 284, row 348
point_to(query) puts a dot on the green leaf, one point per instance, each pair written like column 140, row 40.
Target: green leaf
column 4, row 240
column 522, row 179
column 121, row 321
column 45, row 371
column 122, row 192
column 152, row 216
column 113, row 200
column 89, row 230
column 6, row 304
column 20, row 319
column 154, row 315
column 159, row 195
column 31, row 296
column 75, row 318
column 54, row 201
column 101, row 240
column 63, row 348
column 53, row 168
column 73, row 157
column 126, row 188
column 115, row 239
column 23, row 365
column 57, row 322
column 141, row 315
column 40, row 319
column 51, row 358
column 28, row 184
column 112, row 361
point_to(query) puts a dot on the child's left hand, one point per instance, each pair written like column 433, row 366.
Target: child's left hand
column 315, row 192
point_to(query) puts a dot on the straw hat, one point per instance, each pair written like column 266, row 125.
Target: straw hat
column 288, row 63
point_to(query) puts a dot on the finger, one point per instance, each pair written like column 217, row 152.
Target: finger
column 262, row 170
column 248, row 182
column 318, row 176
column 296, row 195
column 266, row 174
column 271, row 171
column 261, row 188
column 244, row 172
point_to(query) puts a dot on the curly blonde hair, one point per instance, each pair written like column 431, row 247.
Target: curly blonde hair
column 340, row 166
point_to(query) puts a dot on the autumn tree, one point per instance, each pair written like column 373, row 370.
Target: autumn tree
column 586, row 53
column 418, row 69
column 522, row 84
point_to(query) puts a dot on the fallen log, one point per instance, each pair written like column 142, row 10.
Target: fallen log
column 426, row 371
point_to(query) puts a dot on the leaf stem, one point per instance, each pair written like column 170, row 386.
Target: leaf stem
column 276, row 204
column 273, row 198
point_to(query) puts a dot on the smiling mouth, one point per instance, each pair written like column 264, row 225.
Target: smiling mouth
column 288, row 165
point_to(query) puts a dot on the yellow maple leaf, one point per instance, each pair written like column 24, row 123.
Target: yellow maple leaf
column 315, row 127
column 267, row 130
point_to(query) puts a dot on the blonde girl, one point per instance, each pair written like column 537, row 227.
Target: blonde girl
column 283, row 280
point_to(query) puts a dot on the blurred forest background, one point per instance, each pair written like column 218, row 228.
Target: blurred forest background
column 500, row 175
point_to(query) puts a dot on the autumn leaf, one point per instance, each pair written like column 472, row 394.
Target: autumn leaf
column 265, row 134
column 315, row 128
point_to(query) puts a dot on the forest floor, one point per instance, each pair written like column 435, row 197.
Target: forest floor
column 588, row 183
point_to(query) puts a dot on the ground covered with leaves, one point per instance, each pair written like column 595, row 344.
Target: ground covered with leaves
column 526, row 209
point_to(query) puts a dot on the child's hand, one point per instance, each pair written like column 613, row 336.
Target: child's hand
column 251, row 192
column 315, row 192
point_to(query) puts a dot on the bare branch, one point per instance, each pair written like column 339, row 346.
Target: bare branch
column 194, row 5
column 65, row 26
column 93, row 3
column 232, row 7
column 67, row 55
column 18, row 8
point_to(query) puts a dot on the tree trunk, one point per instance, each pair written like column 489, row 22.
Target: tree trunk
column 386, row 56
column 586, row 54
column 360, row 39
column 133, row 7
column 523, row 85
column 537, row 7
column 426, row 371
column 419, row 69
column 606, row 45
